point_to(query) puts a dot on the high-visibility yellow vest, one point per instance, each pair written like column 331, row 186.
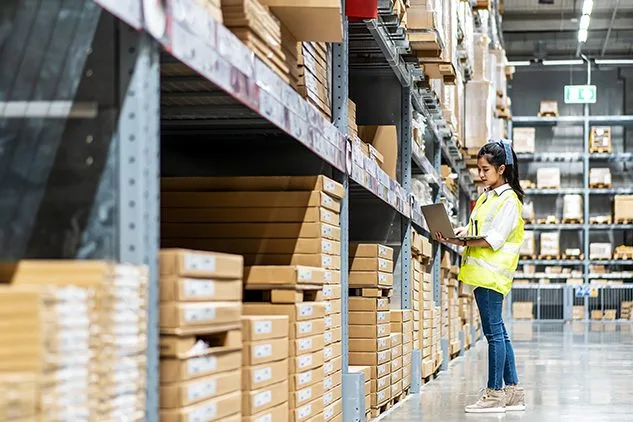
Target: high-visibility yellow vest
column 485, row 267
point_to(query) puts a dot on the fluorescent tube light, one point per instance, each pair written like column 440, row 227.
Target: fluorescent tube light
column 520, row 63
column 587, row 6
column 584, row 22
column 582, row 35
column 614, row 61
column 562, row 62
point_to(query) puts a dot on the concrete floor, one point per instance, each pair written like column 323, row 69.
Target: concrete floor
column 571, row 372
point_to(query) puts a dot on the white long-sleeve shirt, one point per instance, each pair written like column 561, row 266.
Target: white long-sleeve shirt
column 506, row 220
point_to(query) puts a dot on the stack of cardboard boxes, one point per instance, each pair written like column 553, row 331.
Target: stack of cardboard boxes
column 201, row 335
column 265, row 368
column 454, row 321
column 333, row 353
column 371, row 266
column 401, row 348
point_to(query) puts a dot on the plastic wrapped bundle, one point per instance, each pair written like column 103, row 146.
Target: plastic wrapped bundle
column 479, row 106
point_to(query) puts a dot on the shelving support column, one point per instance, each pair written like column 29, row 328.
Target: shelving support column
column 585, row 184
column 405, row 180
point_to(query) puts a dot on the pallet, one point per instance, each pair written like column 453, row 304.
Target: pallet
column 549, row 257
column 572, row 221
column 600, row 219
column 623, row 221
column 527, row 184
column 528, row 257
column 400, row 397
column 284, row 294
column 600, row 185
column 573, row 257
column 622, row 256
column 376, row 292
column 547, row 114
column 550, row 219
column 377, row 411
column 600, row 150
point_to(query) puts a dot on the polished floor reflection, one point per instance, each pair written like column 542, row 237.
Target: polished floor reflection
column 571, row 372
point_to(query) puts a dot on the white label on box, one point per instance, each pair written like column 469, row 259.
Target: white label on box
column 202, row 390
column 382, row 342
column 328, row 307
column 268, row 417
column 382, row 329
column 305, row 310
column 326, row 231
column 382, row 303
column 305, row 378
column 328, row 398
column 328, row 292
column 328, row 413
column 305, row 327
column 195, row 288
column 383, row 355
column 263, row 327
column 201, row 365
column 328, row 382
column 304, row 274
column 262, row 398
column 326, row 261
column 395, row 363
column 382, row 251
column 382, row 382
column 328, row 276
column 201, row 314
column 263, row 374
column 328, row 352
column 382, row 316
column 383, row 264
column 381, row 395
column 305, row 411
column 328, row 367
column 329, row 321
column 305, row 361
column 327, row 215
column 382, row 370
column 195, row 262
column 305, row 394
column 205, row 413
column 263, row 350
column 328, row 337
column 327, row 200
column 394, row 351
column 305, row 344
column 326, row 245
column 382, row 278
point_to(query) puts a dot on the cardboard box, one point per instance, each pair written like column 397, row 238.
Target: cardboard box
column 264, row 351
column 332, row 366
column 600, row 139
column 371, row 264
column 309, row 21
column 291, row 199
column 369, row 331
column 296, row 312
column 550, row 244
column 264, row 327
column 369, row 345
column 600, row 250
column 177, row 289
column 305, row 395
column 548, row 177
column 265, row 214
column 305, row 362
column 385, row 140
column 331, row 292
column 177, row 317
column 262, row 246
column 400, row 315
column 396, row 376
column 306, row 345
column 323, row 260
column 332, row 277
column 174, row 370
column 277, row 413
column 378, row 384
column 186, row 393
column 623, row 208
column 333, row 394
column 365, row 370
column 260, row 376
column 219, row 407
column 524, row 139
column 248, row 230
column 600, row 176
column 396, row 363
column 333, row 335
column 380, row 397
column 332, row 351
column 369, row 358
column 332, row 410
column 186, row 346
column 333, row 380
column 357, row 303
column 307, row 328
column 528, row 248
column 360, row 318
column 370, row 279
column 188, row 263
column 306, row 378
column 573, row 207
column 549, row 107
column 333, row 307
column 307, row 411
column 265, row 398
column 332, row 321
column 370, row 250
column 395, row 338
column 283, row 275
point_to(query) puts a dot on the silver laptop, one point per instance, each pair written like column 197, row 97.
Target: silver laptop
column 437, row 220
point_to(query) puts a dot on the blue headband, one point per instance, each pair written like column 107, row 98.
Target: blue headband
column 506, row 144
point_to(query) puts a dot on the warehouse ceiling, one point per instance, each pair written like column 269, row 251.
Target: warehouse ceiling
column 535, row 30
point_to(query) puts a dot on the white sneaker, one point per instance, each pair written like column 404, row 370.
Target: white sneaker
column 515, row 398
column 492, row 401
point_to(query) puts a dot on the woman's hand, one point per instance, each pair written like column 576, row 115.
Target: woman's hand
column 461, row 231
column 440, row 238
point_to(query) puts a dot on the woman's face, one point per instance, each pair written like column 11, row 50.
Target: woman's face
column 490, row 175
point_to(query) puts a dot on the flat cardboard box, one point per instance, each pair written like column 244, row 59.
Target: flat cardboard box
column 369, row 331
column 333, row 366
column 174, row 369
column 396, row 363
column 401, row 315
column 270, row 230
column 310, row 20
column 370, row 250
column 365, row 370
column 378, row 384
column 396, row 375
column 548, row 177
column 188, row 263
column 289, row 199
column 380, row 371
column 331, row 292
column 385, row 139
column 371, row 264
column 396, row 338
column 253, row 183
column 357, row 303
column 333, row 394
column 333, row 380
column 333, row 306
column 396, row 388
column 305, row 395
column 283, row 275
column 332, row 351
column 261, row 246
column 333, row 335
column 265, row 398
column 369, row 345
column 306, row 345
column 175, row 316
column 307, row 328
column 264, row 351
column 260, row 376
column 332, row 410
column 220, row 407
column 332, row 321
column 623, row 208
column 396, row 352
column 369, row 358
column 323, row 260
column 177, row 289
column 332, row 277
column 186, row 393
column 296, row 312
column 277, row 413
column 307, row 411
column 362, row 318
column 306, row 362
column 264, row 327
column 265, row 214
column 380, row 397
column 305, row 379
column 185, row 346
column 524, row 139
column 370, row 279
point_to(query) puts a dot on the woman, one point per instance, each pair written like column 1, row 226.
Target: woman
column 489, row 263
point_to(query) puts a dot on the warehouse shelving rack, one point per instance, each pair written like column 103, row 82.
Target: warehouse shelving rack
column 81, row 99
column 585, row 157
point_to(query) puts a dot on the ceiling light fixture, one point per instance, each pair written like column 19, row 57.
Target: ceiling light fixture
column 615, row 61
column 582, row 35
column 520, row 63
column 587, row 7
column 562, row 62
column 584, row 22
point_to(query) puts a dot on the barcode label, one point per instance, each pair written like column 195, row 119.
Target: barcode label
column 304, row 274
column 262, row 375
column 201, row 365
column 194, row 262
column 263, row 327
column 263, row 350
column 195, row 288
column 262, row 398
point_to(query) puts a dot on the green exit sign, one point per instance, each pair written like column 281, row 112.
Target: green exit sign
column 580, row 94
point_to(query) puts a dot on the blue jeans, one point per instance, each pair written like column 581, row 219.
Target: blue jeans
column 501, row 366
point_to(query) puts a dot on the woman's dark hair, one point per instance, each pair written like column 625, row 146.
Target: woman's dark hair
column 496, row 155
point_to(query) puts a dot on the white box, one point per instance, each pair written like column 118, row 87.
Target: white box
column 548, row 177
column 572, row 207
column 600, row 251
column 528, row 247
column 550, row 244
